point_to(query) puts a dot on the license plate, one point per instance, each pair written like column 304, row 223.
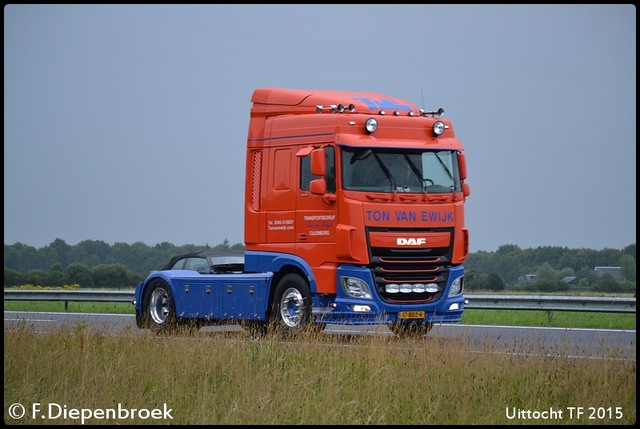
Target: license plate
column 412, row 314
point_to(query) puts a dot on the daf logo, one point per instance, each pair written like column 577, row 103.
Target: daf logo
column 411, row 241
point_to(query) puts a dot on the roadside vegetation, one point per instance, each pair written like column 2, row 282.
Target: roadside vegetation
column 225, row 379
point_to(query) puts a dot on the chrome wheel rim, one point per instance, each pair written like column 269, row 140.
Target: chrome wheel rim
column 291, row 307
column 159, row 305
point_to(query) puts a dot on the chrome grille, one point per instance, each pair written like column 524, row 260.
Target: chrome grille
column 410, row 266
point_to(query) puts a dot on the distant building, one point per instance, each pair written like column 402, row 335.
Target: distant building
column 615, row 272
column 527, row 278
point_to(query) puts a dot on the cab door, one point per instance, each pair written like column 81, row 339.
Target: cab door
column 280, row 200
column 317, row 214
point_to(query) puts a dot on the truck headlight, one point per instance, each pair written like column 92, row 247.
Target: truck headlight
column 356, row 288
column 456, row 287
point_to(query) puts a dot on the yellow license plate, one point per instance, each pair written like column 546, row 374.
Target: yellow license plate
column 412, row 314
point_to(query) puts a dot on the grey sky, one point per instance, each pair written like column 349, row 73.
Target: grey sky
column 128, row 123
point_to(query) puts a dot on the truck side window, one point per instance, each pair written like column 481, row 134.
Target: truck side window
column 305, row 171
column 330, row 177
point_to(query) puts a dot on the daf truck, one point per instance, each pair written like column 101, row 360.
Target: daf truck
column 353, row 214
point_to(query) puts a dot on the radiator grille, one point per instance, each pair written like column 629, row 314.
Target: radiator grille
column 427, row 266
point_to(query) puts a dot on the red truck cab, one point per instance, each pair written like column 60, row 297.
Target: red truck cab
column 355, row 202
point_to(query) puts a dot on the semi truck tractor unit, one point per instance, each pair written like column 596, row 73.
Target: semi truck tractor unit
column 354, row 214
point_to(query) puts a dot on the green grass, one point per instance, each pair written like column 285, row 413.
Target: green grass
column 222, row 379
column 72, row 307
column 562, row 319
column 559, row 319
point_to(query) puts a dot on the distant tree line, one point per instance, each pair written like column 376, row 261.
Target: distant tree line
column 96, row 264
column 553, row 267
column 93, row 263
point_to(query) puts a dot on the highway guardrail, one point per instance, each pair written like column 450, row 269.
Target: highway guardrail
column 491, row 302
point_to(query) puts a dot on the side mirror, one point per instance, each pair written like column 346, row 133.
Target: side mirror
column 466, row 190
column 318, row 186
column 462, row 165
column 318, row 163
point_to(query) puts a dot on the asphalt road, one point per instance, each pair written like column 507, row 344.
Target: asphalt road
column 573, row 342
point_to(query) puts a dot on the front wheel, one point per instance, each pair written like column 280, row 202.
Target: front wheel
column 291, row 309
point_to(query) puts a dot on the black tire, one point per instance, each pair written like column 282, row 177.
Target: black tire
column 411, row 330
column 160, row 308
column 291, row 306
column 141, row 321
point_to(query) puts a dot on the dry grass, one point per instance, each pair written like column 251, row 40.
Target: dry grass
column 227, row 378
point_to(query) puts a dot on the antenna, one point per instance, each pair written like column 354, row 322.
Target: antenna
column 423, row 111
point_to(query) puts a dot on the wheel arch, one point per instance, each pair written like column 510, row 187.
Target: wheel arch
column 280, row 264
column 148, row 285
column 277, row 276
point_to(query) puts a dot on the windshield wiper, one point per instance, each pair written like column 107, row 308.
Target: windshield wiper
column 416, row 171
column 386, row 171
column 444, row 166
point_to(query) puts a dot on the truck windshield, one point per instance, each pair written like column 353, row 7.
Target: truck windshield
column 393, row 170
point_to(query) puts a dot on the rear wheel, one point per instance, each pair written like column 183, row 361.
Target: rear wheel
column 291, row 308
column 160, row 311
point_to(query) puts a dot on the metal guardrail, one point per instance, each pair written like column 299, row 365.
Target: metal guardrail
column 551, row 303
column 69, row 296
column 492, row 302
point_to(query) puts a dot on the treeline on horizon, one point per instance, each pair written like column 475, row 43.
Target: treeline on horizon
column 94, row 263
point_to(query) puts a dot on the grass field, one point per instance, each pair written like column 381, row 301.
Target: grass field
column 229, row 379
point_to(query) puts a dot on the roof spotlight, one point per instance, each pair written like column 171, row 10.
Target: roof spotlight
column 371, row 125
